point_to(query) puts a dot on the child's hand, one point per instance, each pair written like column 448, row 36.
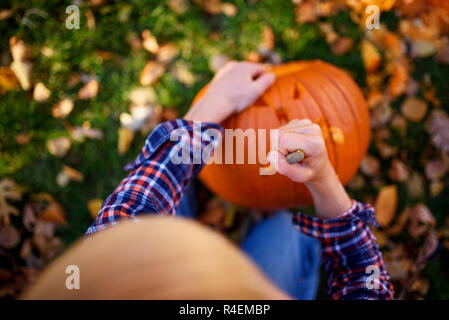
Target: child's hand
column 315, row 171
column 236, row 86
column 306, row 136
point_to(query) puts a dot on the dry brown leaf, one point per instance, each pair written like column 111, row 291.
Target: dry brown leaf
column 267, row 39
column 5, row 14
column 399, row 78
column 170, row 114
column 396, row 269
column 183, row 74
column 381, row 114
column 229, row 9
column 8, row 79
column 58, row 147
column 94, row 206
column 439, row 130
column 306, row 12
column 62, row 109
column 28, row 217
column 41, row 93
column 152, row 71
column 329, row 33
column 414, row 109
column 435, row 188
column 44, row 239
column 386, row 204
column 9, row 236
column 435, row 169
column 420, row 220
column 137, row 118
column 166, row 53
column 179, row 6
column 53, row 211
column 125, row 137
column 21, row 66
column 422, row 49
column 342, row 46
column 142, row 96
column 86, row 131
column 72, row 173
column 415, row 185
column 401, row 221
column 443, row 54
column 370, row 165
column 9, row 190
column 212, row 6
column 371, row 57
column 218, row 61
column 89, row 90
column 149, row 41
column 399, row 171
column 23, row 138
column 385, row 150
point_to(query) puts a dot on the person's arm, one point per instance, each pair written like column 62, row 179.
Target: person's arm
column 156, row 183
column 353, row 263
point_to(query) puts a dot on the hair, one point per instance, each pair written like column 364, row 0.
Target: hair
column 156, row 258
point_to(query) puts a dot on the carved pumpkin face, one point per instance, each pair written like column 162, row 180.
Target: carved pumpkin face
column 315, row 90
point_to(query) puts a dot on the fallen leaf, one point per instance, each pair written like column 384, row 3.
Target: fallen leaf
column 59, row 146
column 183, row 74
column 386, row 204
column 435, row 188
column 443, row 54
column 420, row 220
column 22, row 70
column 125, row 137
column 9, row 236
column 94, row 206
column 9, row 190
column 62, row 109
column 229, row 9
column 329, row 33
column 371, row 57
column 89, row 90
column 149, row 41
column 435, row 169
column 28, row 217
column 399, row 171
column 44, row 239
column 90, row 17
column 41, row 93
column 62, row 179
column 218, row 61
column 152, row 71
column 8, row 80
column 53, row 211
column 396, row 269
column 72, row 173
column 439, row 130
column 179, row 6
column 306, row 12
column 167, row 53
column 267, row 39
column 422, row 49
column 142, row 96
column 415, row 185
column 399, row 78
column 414, row 109
column 47, row 52
column 370, row 165
column 23, row 138
column 342, row 46
column 137, row 118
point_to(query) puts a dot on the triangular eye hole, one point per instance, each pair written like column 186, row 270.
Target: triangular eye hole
column 296, row 92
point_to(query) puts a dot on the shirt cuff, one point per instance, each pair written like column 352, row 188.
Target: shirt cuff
column 340, row 227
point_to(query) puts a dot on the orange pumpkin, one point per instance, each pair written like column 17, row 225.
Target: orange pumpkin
column 305, row 89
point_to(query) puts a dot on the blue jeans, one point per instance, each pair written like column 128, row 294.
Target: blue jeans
column 289, row 258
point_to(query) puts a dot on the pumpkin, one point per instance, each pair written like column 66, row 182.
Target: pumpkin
column 315, row 90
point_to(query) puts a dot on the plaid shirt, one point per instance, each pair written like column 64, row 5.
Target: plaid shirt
column 352, row 259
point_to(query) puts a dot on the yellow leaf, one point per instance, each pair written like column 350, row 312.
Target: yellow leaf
column 94, row 206
column 125, row 137
column 8, row 79
column 151, row 73
column 386, row 204
column 337, row 135
column 371, row 57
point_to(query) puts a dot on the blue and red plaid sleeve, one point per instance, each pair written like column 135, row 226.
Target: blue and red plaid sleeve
column 352, row 260
column 172, row 155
